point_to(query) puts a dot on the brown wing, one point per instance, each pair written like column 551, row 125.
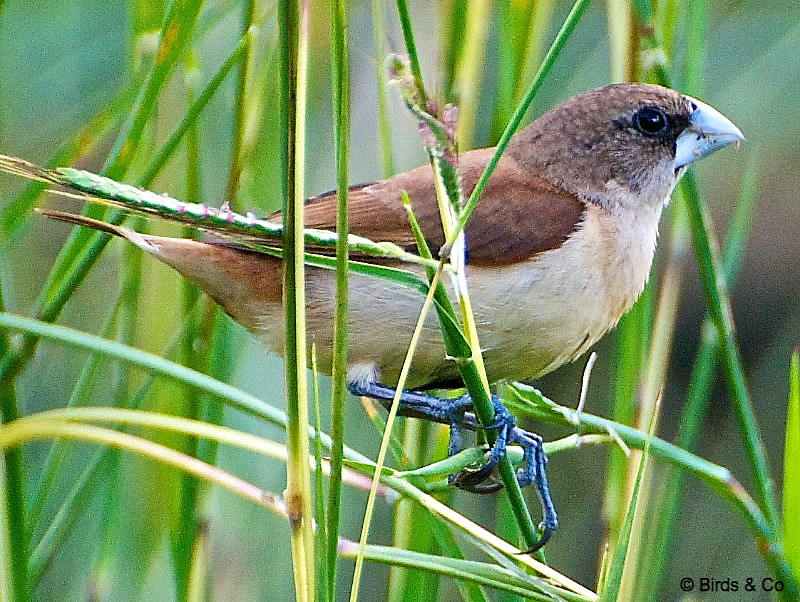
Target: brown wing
column 518, row 215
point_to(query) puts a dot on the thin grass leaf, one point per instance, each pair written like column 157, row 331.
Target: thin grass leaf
column 525, row 25
column 11, row 573
column 340, row 67
column 196, row 107
column 235, row 165
column 253, row 406
column 631, row 342
column 622, row 560
column 186, row 531
column 452, row 20
column 321, row 534
column 80, row 248
column 412, row 528
column 552, row 54
column 411, row 49
column 719, row 305
column 6, row 566
column 58, row 451
column 198, row 578
column 293, row 19
column 469, row 69
column 721, row 313
column 36, row 428
column 385, row 441
column 16, row 214
column 396, row 446
column 384, row 126
column 475, row 572
column 622, row 40
column 791, row 469
column 12, row 492
column 446, row 542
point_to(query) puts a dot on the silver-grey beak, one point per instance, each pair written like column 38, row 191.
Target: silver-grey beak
column 708, row 130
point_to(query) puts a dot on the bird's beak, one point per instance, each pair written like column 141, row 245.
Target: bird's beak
column 708, row 130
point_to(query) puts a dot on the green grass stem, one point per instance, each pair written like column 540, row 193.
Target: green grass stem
column 235, row 166
column 387, row 438
column 791, row 468
column 293, row 19
column 321, row 547
column 186, row 531
column 469, row 70
column 17, row 213
column 340, row 64
column 58, row 451
column 384, row 125
column 411, row 49
column 253, row 406
column 719, row 306
column 12, row 475
column 552, row 54
column 624, row 560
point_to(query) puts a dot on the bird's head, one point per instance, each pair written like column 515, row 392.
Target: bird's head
column 624, row 144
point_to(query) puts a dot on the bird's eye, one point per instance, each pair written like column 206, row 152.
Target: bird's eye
column 650, row 121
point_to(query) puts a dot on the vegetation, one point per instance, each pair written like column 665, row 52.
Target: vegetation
column 148, row 448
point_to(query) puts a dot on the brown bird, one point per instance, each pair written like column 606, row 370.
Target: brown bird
column 558, row 249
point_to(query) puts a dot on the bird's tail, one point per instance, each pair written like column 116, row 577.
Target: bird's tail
column 139, row 240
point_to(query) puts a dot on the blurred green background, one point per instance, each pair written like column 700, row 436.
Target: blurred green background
column 62, row 62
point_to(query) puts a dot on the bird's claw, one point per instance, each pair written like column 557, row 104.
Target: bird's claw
column 453, row 412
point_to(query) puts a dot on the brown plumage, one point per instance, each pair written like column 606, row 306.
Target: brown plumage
column 559, row 246
column 501, row 230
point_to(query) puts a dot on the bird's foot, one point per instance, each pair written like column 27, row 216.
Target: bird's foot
column 453, row 412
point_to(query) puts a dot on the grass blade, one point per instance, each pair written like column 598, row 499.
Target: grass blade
column 189, row 544
column 319, row 489
column 12, row 475
column 791, row 469
column 718, row 478
column 386, row 437
column 384, row 126
column 411, row 49
column 721, row 314
column 293, row 19
column 621, row 559
column 719, row 305
column 469, row 70
column 468, row 571
column 340, row 63
column 235, row 166
column 253, row 406
column 552, row 54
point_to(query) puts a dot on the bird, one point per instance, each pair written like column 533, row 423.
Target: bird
column 558, row 249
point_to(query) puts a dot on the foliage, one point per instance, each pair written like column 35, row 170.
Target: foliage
column 83, row 519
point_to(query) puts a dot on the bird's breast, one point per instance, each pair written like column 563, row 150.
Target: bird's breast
column 538, row 314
